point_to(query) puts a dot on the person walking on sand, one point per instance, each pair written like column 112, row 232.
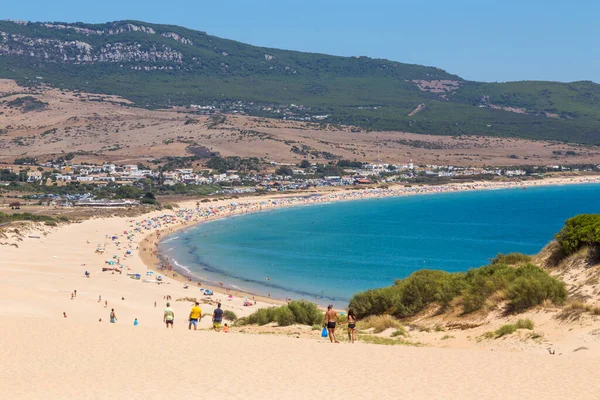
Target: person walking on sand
column 113, row 316
column 169, row 316
column 331, row 318
column 217, row 318
column 195, row 316
column 351, row 325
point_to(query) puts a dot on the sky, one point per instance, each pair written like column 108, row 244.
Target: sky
column 482, row 40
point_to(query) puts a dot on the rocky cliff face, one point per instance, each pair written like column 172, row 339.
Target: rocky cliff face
column 86, row 52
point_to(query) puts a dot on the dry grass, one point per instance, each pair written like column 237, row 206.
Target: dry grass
column 581, row 306
column 187, row 299
column 386, row 341
column 496, row 299
column 379, row 323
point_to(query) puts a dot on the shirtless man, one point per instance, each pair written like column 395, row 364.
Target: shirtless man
column 331, row 317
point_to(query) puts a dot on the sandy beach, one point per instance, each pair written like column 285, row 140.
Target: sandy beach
column 67, row 359
column 84, row 356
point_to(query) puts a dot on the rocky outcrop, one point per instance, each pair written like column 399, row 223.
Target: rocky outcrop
column 83, row 53
column 177, row 37
column 112, row 31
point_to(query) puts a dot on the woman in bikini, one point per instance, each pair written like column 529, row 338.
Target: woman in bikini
column 351, row 325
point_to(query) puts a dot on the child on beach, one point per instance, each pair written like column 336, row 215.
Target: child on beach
column 113, row 316
column 225, row 328
column 135, row 322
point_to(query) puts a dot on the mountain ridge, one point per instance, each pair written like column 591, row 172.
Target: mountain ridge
column 158, row 66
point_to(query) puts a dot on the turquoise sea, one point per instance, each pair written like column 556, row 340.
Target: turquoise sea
column 335, row 250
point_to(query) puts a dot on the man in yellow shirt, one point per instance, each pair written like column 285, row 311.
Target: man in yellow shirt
column 195, row 316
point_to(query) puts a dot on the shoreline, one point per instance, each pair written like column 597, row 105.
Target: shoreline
column 326, row 197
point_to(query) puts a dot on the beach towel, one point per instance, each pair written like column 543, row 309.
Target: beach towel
column 324, row 332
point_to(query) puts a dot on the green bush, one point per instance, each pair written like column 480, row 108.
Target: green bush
column 579, row 231
column 511, row 259
column 296, row 312
column 375, row 302
column 532, row 287
column 262, row 316
column 425, row 287
column 512, row 328
column 525, row 286
column 305, row 312
column 505, row 330
column 229, row 315
column 284, row 316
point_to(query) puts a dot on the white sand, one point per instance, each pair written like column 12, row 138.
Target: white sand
column 66, row 359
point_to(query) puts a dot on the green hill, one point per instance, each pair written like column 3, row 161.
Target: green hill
column 163, row 65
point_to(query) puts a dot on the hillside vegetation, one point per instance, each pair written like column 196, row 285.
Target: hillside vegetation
column 162, row 65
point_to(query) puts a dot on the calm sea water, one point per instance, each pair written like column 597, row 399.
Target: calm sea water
column 335, row 250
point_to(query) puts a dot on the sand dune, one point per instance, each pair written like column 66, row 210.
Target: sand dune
column 64, row 359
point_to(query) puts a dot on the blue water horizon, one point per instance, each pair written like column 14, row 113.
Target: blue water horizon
column 328, row 252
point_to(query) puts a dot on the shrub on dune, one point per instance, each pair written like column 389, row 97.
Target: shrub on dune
column 284, row 317
column 509, row 329
column 524, row 287
column 511, row 259
column 533, row 288
column 296, row 312
column 305, row 312
column 229, row 315
column 579, row 231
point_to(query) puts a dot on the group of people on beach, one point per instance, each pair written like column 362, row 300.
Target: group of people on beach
column 195, row 317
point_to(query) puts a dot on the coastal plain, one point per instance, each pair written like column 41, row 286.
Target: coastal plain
column 84, row 356
column 105, row 128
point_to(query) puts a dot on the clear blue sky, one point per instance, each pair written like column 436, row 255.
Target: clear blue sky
column 485, row 40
